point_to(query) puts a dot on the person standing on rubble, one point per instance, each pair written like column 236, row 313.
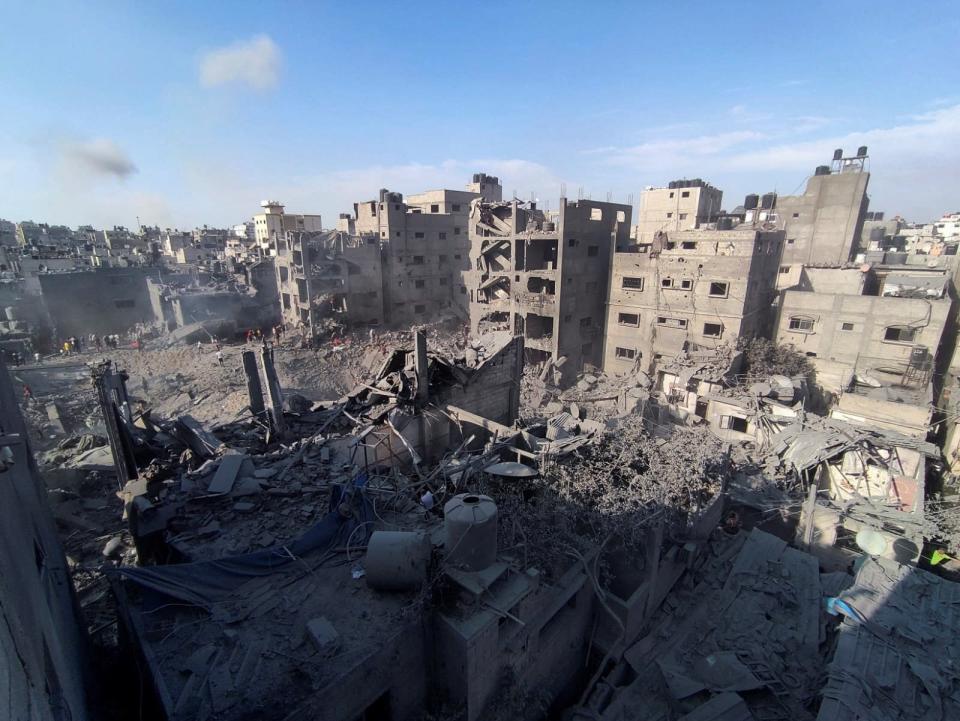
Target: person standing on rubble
column 199, row 348
column 220, row 357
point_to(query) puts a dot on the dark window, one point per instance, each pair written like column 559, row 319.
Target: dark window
column 713, row 330
column 796, row 215
column 784, row 269
column 846, row 326
column 586, row 322
column 734, row 423
column 686, row 284
column 671, row 195
column 685, row 194
column 632, row 283
column 628, row 319
column 672, row 322
column 455, row 207
column 900, row 334
column 443, row 236
column 719, row 290
column 397, row 233
column 572, row 242
column 688, row 244
column 626, row 353
column 798, row 323
column 457, row 256
column 683, row 216
column 418, row 235
column 593, row 251
column 669, row 215
column 434, row 208
column 666, row 282
column 443, row 281
column 456, row 231
column 419, row 284
column 419, row 309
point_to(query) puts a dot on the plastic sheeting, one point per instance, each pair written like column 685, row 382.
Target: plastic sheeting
column 205, row 583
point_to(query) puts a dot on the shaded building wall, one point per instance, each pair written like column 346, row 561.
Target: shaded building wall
column 707, row 287
column 42, row 645
column 824, row 225
column 108, row 300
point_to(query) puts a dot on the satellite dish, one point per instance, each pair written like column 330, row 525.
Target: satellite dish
column 871, row 542
column 511, row 469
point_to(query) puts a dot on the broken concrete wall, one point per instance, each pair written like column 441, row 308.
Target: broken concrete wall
column 42, row 644
column 494, row 388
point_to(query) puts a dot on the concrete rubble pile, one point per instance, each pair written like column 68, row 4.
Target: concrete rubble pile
column 757, row 630
column 252, row 553
column 455, row 535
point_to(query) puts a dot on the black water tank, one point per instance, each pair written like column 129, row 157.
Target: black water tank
column 862, row 151
column 878, row 215
column 672, row 184
column 768, row 201
column 724, row 222
column 476, row 177
column 751, row 201
column 838, row 154
column 822, row 170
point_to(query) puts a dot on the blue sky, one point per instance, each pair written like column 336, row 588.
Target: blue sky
column 185, row 113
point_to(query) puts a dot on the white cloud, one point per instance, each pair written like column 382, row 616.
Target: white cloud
column 99, row 157
column 254, row 63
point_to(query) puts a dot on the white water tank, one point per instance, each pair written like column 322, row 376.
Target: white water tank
column 470, row 521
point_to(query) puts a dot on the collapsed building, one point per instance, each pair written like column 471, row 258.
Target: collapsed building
column 250, row 537
column 545, row 279
column 225, row 303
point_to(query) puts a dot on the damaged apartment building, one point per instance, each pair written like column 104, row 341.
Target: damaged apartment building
column 396, row 260
column 684, row 289
column 545, row 278
column 875, row 339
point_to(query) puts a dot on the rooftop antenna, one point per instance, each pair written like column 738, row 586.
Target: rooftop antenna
column 580, row 193
column 609, row 195
column 630, row 200
column 563, row 190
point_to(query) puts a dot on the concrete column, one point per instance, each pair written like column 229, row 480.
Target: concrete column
column 421, row 365
column 273, row 393
column 254, row 389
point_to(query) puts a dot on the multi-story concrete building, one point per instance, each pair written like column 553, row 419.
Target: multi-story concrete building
column 334, row 275
column 682, row 205
column 545, row 280
column 876, row 341
column 824, row 225
column 689, row 289
column 272, row 225
column 426, row 247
